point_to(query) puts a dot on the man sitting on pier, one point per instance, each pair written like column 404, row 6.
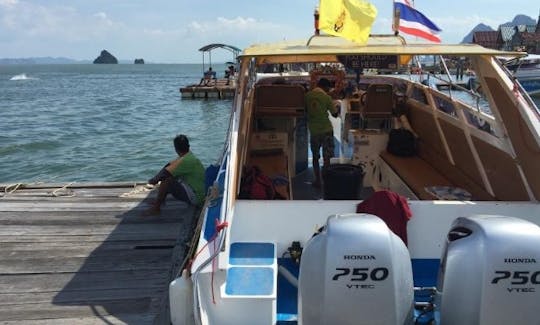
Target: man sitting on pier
column 208, row 76
column 182, row 177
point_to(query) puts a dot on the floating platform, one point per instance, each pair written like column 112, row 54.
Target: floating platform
column 85, row 254
column 217, row 89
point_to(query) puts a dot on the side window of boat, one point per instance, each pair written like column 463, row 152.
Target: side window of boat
column 444, row 105
column 478, row 123
column 419, row 95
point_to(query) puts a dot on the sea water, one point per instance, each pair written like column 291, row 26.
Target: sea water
column 84, row 122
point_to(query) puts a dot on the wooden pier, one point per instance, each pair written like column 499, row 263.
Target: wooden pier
column 85, row 254
column 217, row 89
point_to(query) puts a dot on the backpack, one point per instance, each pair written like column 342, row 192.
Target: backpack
column 401, row 142
column 256, row 185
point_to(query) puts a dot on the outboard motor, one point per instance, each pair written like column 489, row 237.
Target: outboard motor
column 355, row 271
column 490, row 272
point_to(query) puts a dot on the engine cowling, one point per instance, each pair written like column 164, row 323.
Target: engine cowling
column 355, row 271
column 490, row 272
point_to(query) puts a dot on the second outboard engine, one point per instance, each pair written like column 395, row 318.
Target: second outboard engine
column 355, row 271
column 490, row 272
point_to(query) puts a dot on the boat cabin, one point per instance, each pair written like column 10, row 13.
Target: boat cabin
column 462, row 150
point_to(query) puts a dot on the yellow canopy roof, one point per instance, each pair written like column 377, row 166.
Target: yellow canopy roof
column 326, row 48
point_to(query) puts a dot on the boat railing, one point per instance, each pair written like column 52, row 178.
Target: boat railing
column 520, row 89
column 221, row 236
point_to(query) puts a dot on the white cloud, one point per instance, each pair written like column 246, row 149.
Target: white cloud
column 237, row 24
column 56, row 22
column 8, row 3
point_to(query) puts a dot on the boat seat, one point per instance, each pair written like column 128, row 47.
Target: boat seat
column 430, row 146
column 416, row 173
column 378, row 103
column 279, row 100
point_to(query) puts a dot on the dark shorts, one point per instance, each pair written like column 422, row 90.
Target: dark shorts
column 326, row 141
column 181, row 191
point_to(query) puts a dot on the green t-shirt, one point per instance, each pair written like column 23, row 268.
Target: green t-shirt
column 191, row 171
column 318, row 104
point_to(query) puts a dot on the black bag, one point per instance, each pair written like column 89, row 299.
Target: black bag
column 401, row 142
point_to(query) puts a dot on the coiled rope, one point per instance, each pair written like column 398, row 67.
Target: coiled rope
column 137, row 189
column 11, row 188
column 67, row 192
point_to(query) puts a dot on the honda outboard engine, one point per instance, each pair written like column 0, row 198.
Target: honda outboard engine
column 490, row 272
column 355, row 271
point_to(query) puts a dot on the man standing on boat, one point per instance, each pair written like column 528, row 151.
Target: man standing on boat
column 182, row 177
column 318, row 104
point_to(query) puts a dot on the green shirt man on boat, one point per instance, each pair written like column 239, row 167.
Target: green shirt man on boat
column 318, row 105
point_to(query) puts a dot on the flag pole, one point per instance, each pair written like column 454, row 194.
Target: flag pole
column 395, row 20
column 316, row 20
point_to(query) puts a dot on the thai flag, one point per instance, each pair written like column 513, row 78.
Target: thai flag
column 413, row 22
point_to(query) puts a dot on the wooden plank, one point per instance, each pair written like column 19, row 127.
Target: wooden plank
column 75, row 185
column 84, row 191
column 69, row 230
column 86, row 297
column 112, row 237
column 55, row 282
column 89, row 320
column 80, row 251
column 93, row 217
column 83, row 218
column 7, row 248
column 138, row 259
column 121, row 205
column 80, row 195
column 118, row 308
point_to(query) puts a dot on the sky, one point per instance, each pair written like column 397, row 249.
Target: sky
column 172, row 31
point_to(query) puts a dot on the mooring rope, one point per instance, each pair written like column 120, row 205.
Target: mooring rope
column 11, row 188
column 68, row 193
column 137, row 189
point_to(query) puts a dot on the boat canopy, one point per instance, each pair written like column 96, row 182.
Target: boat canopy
column 327, row 48
column 210, row 47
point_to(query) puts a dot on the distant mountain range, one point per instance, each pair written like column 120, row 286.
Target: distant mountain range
column 518, row 20
column 51, row 60
column 42, row 60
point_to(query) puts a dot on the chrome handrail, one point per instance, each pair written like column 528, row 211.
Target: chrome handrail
column 221, row 240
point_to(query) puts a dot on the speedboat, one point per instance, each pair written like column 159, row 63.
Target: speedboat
column 443, row 233
column 527, row 71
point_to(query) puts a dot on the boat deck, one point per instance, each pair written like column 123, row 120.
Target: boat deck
column 85, row 254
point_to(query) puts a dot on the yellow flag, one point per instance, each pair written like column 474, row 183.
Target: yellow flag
column 350, row 19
